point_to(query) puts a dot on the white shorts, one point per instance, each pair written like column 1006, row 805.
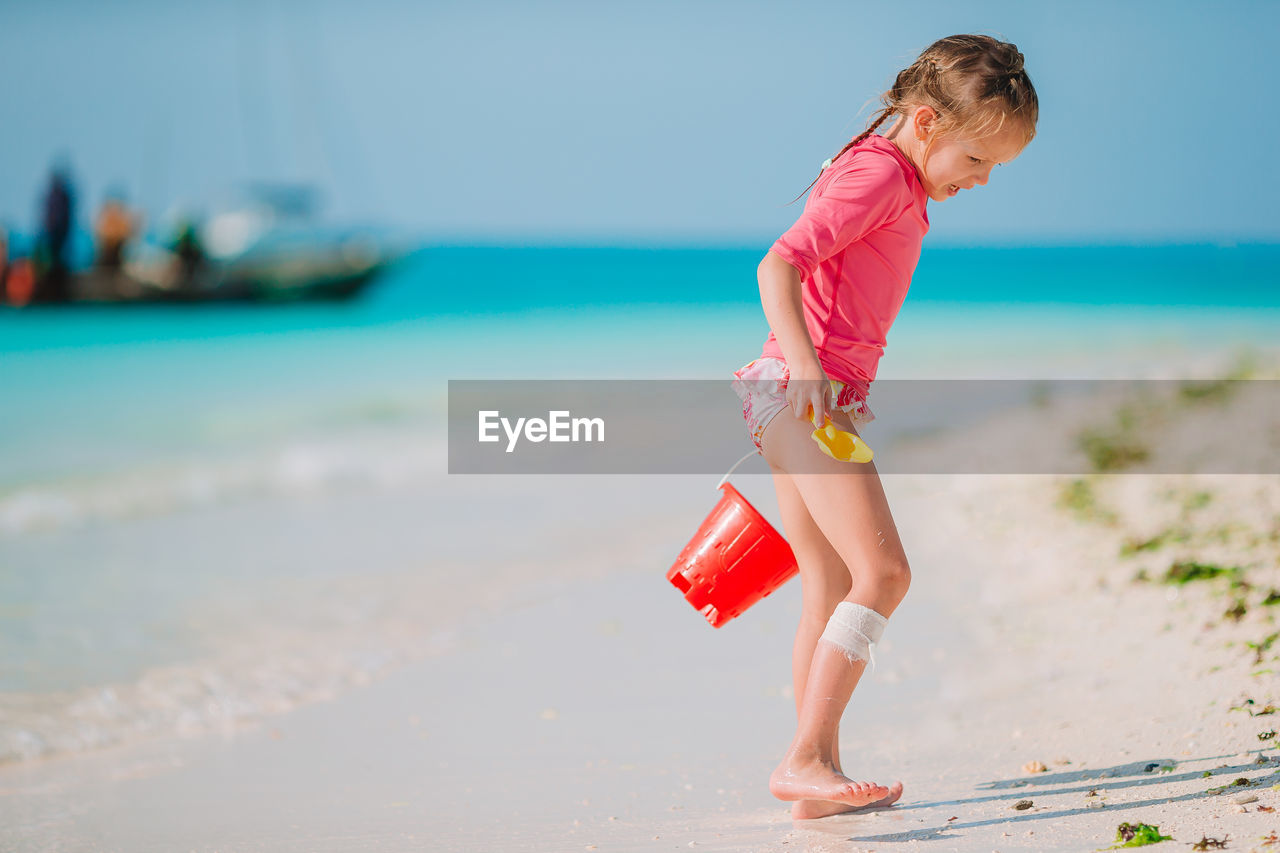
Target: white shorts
column 762, row 386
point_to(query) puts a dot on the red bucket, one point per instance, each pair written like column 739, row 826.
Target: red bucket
column 735, row 559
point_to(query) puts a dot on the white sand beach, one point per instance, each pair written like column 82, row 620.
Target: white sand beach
column 299, row 299
column 559, row 695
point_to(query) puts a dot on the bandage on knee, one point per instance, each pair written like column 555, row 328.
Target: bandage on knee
column 854, row 629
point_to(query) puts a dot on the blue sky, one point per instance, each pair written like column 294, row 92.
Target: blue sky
column 634, row 122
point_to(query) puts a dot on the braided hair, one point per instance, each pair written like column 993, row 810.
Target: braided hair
column 975, row 83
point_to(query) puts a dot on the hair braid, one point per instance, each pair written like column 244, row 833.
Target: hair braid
column 884, row 115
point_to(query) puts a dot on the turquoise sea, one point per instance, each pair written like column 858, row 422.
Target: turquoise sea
column 98, row 389
column 164, row 468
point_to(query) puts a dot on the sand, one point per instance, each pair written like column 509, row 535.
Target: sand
column 583, row 705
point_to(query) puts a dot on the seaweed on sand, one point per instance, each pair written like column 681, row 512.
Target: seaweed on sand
column 1184, row 572
column 1112, row 450
column 1079, row 498
column 1139, row 835
column 1263, row 646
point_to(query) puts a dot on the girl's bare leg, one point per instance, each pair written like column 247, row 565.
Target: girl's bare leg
column 825, row 581
column 847, row 506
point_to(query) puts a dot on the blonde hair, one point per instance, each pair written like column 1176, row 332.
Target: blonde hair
column 974, row 83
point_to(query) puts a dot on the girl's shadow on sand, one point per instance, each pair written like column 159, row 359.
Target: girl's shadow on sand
column 1132, row 775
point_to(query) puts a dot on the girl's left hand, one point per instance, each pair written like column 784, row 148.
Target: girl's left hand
column 809, row 393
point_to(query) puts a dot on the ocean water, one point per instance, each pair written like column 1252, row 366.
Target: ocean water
column 211, row 514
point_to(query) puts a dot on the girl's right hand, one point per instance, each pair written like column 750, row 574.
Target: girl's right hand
column 809, row 391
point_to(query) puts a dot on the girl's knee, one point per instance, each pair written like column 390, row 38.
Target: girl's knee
column 891, row 577
column 904, row 581
column 823, row 587
column 823, row 579
column 903, row 573
column 898, row 575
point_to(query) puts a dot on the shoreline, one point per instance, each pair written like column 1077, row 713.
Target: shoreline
column 636, row 734
column 570, row 693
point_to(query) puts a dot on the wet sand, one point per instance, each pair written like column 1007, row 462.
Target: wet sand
column 586, row 706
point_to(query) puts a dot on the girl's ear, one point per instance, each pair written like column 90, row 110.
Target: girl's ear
column 926, row 119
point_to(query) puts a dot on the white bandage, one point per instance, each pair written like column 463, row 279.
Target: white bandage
column 854, row 629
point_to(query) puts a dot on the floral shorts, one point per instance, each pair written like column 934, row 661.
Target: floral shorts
column 762, row 385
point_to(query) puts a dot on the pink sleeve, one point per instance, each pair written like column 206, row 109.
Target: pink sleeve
column 870, row 193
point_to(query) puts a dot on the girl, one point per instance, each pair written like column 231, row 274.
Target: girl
column 831, row 287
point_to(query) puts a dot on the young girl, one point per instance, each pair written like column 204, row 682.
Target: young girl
column 831, row 287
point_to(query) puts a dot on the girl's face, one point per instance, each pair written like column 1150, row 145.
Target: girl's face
column 957, row 163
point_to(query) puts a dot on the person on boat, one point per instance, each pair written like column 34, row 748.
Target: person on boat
column 114, row 228
column 57, row 215
column 17, row 280
column 189, row 250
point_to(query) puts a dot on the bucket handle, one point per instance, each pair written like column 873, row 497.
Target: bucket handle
column 725, row 478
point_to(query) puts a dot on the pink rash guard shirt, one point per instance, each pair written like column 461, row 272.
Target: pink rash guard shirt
column 856, row 246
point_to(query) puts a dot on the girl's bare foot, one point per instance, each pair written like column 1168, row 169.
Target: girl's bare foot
column 811, row 809
column 798, row 778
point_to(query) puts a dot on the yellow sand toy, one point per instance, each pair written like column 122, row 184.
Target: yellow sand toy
column 840, row 445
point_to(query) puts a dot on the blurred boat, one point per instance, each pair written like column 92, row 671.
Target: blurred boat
column 263, row 248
